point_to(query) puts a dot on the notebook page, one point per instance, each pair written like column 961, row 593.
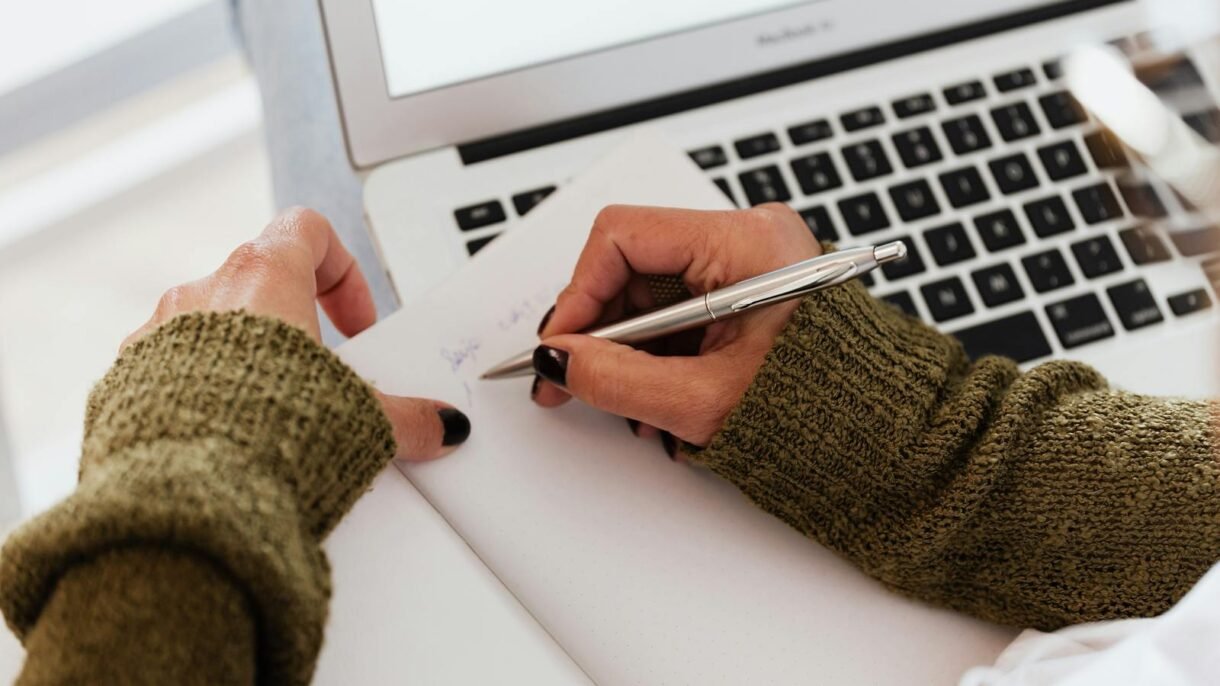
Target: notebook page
column 644, row 570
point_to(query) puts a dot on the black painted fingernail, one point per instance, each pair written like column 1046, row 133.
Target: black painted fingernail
column 670, row 443
column 546, row 318
column 536, row 386
column 635, row 426
column 552, row 364
column 457, row 427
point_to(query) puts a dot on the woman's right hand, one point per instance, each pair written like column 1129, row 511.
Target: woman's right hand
column 689, row 395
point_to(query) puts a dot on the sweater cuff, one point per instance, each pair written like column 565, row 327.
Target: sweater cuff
column 261, row 384
column 228, row 435
column 848, row 383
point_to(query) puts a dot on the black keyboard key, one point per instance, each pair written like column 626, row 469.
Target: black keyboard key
column 1015, row 121
column 947, row 299
column 965, row 92
column 964, row 187
column 949, row 244
column 1018, row 337
column 1193, row 242
column 477, row 216
column 810, row 132
column 867, row 160
column 1144, row 245
column 1049, row 217
column 999, row 230
column 1062, row 160
column 862, row 119
column 1135, row 305
column 867, row 279
column 723, row 185
column 903, row 301
column 1061, row 110
column 765, row 185
column 524, row 202
column 1015, row 80
column 998, row 285
column 1097, row 257
column 1013, row 174
column 816, row 173
column 1080, row 320
column 917, row 147
column 863, row 214
column 1192, row 301
column 1047, row 271
column 1107, row 151
column 914, row 200
column 754, row 146
column 1097, row 203
column 1206, row 124
column 1053, row 69
column 908, row 266
column 967, row 134
column 914, row 105
column 479, row 243
column 710, row 157
column 819, row 222
column 1142, row 199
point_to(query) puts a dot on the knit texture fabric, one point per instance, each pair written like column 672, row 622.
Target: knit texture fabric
column 1039, row 499
column 234, row 441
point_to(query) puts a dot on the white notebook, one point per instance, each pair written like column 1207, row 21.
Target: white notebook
column 638, row 569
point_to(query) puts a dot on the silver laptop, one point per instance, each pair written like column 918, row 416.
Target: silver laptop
column 943, row 124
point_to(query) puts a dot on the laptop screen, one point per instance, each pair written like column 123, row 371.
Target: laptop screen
column 430, row 45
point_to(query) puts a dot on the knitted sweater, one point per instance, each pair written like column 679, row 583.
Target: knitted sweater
column 222, row 448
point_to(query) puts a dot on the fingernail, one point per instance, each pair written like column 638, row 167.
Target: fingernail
column 552, row 364
column 670, row 443
column 457, row 427
column 635, row 426
column 536, row 386
column 546, row 318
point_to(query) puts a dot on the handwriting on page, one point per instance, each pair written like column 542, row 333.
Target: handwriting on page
column 462, row 355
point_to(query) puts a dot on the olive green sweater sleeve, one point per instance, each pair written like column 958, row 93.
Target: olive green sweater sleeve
column 219, row 451
column 1036, row 499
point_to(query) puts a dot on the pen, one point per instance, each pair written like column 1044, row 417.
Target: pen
column 771, row 288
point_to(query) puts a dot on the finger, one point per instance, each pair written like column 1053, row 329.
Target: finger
column 424, row 429
column 675, row 394
column 627, row 240
column 340, row 286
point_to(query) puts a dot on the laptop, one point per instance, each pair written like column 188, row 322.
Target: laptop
column 1031, row 232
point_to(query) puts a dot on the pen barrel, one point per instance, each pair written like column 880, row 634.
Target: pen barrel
column 784, row 284
column 683, row 316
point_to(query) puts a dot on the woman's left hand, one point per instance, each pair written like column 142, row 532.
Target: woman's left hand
column 297, row 263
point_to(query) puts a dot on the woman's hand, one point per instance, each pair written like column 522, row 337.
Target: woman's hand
column 297, row 263
column 684, row 396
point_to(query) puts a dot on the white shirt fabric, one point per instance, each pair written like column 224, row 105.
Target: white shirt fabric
column 1178, row 648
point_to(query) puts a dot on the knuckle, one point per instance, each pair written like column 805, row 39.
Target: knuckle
column 172, row 301
column 609, row 217
column 251, row 256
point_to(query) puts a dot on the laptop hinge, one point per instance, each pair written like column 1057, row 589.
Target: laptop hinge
column 556, row 132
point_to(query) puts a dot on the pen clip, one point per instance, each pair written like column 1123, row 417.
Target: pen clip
column 805, row 285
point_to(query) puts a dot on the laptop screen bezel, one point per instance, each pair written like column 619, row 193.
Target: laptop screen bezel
column 379, row 128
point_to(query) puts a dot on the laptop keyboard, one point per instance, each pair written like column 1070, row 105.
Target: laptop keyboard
column 1008, row 198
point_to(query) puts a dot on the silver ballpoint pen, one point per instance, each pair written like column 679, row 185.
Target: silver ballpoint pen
column 774, row 287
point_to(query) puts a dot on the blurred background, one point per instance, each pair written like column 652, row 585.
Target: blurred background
column 126, row 135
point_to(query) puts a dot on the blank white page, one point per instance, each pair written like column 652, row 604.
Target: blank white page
column 645, row 571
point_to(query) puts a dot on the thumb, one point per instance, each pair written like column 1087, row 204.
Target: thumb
column 424, row 429
column 670, row 393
